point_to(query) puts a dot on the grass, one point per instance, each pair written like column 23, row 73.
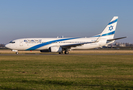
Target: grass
column 66, row 72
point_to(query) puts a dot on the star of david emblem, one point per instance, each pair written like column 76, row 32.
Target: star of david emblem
column 110, row 28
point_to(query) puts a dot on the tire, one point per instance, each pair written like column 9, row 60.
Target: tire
column 61, row 52
column 66, row 52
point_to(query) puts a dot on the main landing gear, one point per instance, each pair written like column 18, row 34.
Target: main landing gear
column 66, row 51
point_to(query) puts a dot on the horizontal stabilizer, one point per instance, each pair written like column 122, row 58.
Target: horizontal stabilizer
column 116, row 39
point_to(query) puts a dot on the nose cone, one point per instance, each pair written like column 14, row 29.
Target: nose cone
column 7, row 46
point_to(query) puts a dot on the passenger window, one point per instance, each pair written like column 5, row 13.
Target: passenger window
column 25, row 41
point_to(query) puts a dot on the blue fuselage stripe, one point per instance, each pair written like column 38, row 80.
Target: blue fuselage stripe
column 97, row 36
column 47, row 43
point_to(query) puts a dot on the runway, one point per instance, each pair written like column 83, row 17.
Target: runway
column 76, row 52
column 63, row 54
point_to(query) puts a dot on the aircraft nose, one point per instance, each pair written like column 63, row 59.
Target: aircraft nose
column 7, row 46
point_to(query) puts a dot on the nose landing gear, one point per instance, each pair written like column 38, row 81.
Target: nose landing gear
column 15, row 51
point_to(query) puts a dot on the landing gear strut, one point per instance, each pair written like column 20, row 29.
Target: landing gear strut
column 15, row 51
column 61, row 52
column 66, row 51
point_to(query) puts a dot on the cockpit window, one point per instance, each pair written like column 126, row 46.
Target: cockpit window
column 11, row 42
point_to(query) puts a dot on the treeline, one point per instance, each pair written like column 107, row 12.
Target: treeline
column 2, row 45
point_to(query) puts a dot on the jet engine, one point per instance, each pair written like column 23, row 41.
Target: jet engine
column 55, row 49
column 52, row 49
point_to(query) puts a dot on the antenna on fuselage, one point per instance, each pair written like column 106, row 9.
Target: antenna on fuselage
column 60, row 36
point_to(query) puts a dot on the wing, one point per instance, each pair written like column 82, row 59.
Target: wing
column 76, row 44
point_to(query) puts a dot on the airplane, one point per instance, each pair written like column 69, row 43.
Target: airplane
column 64, row 45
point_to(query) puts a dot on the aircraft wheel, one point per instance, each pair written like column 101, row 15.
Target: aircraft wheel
column 16, row 52
column 61, row 52
column 66, row 52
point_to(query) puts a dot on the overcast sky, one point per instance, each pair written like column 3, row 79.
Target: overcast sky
column 70, row 18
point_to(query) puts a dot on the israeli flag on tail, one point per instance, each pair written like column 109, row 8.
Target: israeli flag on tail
column 109, row 31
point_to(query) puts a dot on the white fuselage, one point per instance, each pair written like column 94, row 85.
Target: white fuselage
column 46, row 43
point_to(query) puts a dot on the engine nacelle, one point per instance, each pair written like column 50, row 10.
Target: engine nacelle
column 52, row 49
column 55, row 49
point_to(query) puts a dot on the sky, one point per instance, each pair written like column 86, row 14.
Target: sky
column 68, row 18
